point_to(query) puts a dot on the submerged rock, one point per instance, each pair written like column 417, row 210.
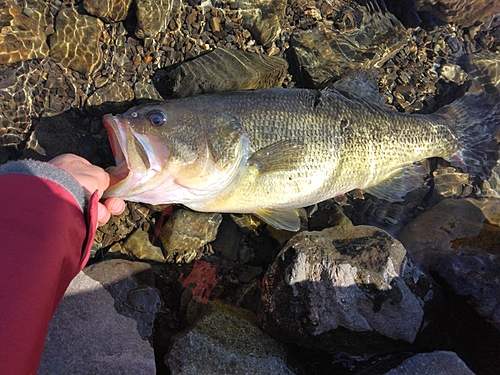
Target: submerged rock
column 112, row 92
column 224, row 70
column 187, row 232
column 139, row 245
column 153, row 16
column 465, row 13
column 226, row 341
column 457, row 243
column 351, row 289
column 326, row 53
column 262, row 17
column 76, row 44
column 108, row 10
column 22, row 31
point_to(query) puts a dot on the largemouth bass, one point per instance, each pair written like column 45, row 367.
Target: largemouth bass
column 269, row 152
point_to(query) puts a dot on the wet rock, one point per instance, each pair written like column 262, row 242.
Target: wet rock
column 223, row 70
column 153, row 16
column 65, row 133
column 325, row 53
column 87, row 336
column 226, row 341
column 345, row 289
column 108, row 10
column 438, row 362
column 450, row 183
column 145, row 92
column 263, row 18
column 112, row 92
column 75, row 44
column 465, row 13
column 132, row 285
column 457, row 243
column 139, row 245
column 22, row 31
column 484, row 71
column 187, row 232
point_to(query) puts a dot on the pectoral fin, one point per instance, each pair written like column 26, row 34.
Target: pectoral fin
column 394, row 188
column 286, row 219
column 282, row 155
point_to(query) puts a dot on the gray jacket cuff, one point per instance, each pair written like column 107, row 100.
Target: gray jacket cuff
column 48, row 171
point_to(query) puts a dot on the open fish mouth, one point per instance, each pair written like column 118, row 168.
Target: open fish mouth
column 139, row 157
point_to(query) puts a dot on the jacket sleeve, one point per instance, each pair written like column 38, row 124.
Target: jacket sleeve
column 45, row 242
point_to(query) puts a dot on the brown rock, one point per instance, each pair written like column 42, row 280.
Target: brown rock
column 108, row 10
column 112, row 92
column 75, row 44
column 465, row 13
column 22, row 31
column 153, row 16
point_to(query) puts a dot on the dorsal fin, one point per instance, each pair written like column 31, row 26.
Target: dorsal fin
column 363, row 84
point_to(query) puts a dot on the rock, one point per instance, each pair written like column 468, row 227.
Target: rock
column 138, row 245
column 262, row 17
column 326, row 54
column 186, row 233
column 108, row 10
column 65, row 133
column 223, row 70
column 153, row 16
column 22, row 31
column 76, row 44
column 132, row 285
column 465, row 13
column 112, row 92
column 145, row 92
column 345, row 289
column 484, row 71
column 438, row 362
column 226, row 341
column 455, row 241
column 87, row 336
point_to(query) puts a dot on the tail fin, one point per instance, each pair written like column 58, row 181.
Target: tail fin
column 475, row 120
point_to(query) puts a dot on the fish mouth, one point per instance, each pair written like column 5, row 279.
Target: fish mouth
column 138, row 157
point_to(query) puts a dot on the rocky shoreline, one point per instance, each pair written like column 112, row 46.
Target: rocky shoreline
column 346, row 297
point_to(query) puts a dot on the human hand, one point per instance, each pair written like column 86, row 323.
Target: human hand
column 91, row 178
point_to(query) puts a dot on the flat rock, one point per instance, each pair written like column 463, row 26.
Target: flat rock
column 224, row 70
column 438, row 362
column 112, row 92
column 22, row 31
column 108, row 10
column 226, row 341
column 132, row 286
column 465, row 13
column 76, row 42
column 139, row 245
column 350, row 288
column 87, row 336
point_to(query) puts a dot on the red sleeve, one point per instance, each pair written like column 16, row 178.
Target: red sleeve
column 44, row 243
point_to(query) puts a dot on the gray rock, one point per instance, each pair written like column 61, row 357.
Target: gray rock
column 350, row 288
column 435, row 363
column 87, row 336
column 223, row 70
column 132, row 286
column 326, row 53
column 455, row 241
column 226, row 341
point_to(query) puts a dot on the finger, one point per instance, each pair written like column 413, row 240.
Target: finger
column 114, row 205
column 103, row 215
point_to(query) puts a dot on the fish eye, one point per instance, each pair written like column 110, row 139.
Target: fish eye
column 157, row 118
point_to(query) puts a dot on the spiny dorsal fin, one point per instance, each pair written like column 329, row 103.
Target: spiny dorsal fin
column 282, row 155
